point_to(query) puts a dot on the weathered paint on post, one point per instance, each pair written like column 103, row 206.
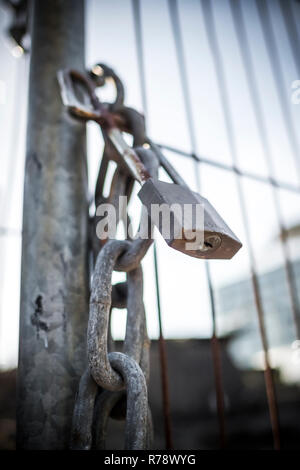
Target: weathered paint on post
column 54, row 291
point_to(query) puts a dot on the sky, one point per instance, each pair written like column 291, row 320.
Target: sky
column 110, row 39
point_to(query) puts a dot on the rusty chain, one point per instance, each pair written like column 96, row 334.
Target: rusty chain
column 116, row 380
column 112, row 371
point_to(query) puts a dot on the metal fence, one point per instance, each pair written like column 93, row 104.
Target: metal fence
column 218, row 59
column 277, row 24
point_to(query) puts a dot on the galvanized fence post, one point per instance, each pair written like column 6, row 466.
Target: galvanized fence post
column 54, row 286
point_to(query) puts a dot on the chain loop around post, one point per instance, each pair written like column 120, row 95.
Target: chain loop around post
column 114, row 381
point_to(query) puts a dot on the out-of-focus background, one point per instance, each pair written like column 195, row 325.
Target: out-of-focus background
column 221, row 85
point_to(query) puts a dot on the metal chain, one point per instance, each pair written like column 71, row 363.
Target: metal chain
column 113, row 379
column 126, row 371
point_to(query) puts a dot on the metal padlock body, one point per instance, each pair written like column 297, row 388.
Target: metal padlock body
column 219, row 241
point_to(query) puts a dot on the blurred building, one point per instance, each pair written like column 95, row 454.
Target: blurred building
column 237, row 314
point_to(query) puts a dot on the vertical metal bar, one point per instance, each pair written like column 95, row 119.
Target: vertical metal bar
column 54, row 290
column 18, row 118
column 294, row 40
column 164, row 365
column 217, row 361
column 262, row 129
column 14, row 156
column 265, row 20
column 137, row 17
column 291, row 29
column 174, row 14
column 220, row 75
column 136, row 8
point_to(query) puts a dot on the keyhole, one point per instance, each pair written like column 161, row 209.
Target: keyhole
column 211, row 243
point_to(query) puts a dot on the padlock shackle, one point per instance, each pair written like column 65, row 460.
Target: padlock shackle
column 130, row 157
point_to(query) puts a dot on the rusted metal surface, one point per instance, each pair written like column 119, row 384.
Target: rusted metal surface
column 216, row 353
column 101, row 114
column 54, row 284
column 163, row 365
column 217, row 363
column 269, row 381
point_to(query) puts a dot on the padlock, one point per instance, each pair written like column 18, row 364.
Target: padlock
column 217, row 241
